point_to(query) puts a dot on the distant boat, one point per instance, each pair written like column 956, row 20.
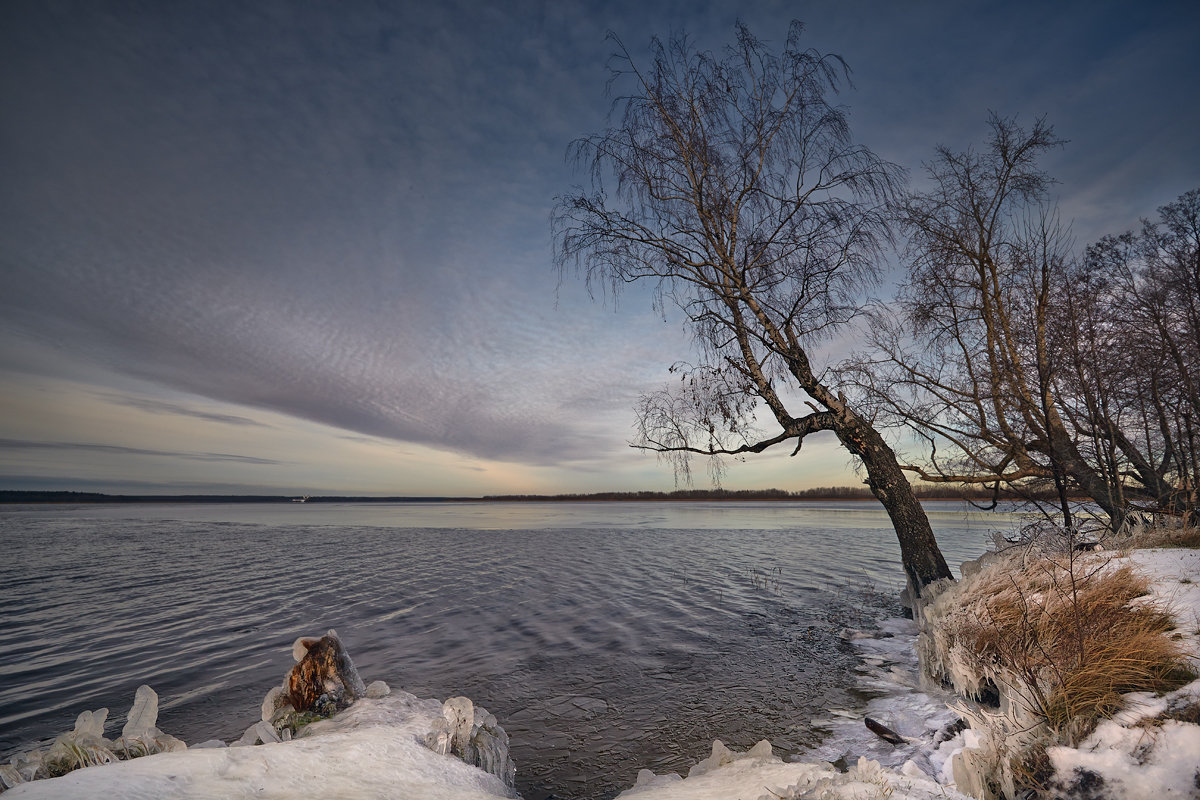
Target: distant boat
column 300, row 499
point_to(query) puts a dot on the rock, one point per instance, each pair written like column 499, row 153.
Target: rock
column 378, row 689
column 324, row 679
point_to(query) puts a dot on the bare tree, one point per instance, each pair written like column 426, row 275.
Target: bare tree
column 1149, row 303
column 966, row 362
column 737, row 191
column 1014, row 363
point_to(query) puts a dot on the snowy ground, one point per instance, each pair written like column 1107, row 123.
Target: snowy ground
column 371, row 750
column 374, row 749
column 1143, row 754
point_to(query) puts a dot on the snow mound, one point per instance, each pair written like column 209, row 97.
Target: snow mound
column 370, row 751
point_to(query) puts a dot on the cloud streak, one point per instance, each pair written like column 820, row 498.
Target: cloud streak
column 174, row 409
column 18, row 444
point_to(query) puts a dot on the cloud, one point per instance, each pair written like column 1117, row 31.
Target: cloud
column 19, row 444
column 163, row 407
column 78, row 483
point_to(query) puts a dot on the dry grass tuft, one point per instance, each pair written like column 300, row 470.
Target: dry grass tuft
column 1069, row 633
column 1165, row 536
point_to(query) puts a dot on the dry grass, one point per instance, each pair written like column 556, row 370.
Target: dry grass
column 1069, row 633
column 1165, row 536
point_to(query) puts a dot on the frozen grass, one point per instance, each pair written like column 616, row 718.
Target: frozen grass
column 1164, row 536
column 1068, row 630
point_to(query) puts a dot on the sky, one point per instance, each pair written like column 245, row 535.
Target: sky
column 304, row 247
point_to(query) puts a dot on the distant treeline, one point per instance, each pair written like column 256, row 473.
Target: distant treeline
column 926, row 492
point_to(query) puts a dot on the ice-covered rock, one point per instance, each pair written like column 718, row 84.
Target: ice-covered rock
column 276, row 699
column 473, row 735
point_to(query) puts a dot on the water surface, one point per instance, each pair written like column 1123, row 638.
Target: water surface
column 606, row 637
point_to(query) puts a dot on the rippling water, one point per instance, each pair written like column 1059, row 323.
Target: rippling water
column 606, row 637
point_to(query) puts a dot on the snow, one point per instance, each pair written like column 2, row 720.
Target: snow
column 902, row 702
column 757, row 775
column 371, row 750
column 1175, row 581
column 1141, row 753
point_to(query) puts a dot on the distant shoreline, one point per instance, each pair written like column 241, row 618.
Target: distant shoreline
column 846, row 494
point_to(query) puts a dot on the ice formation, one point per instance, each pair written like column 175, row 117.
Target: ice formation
column 757, row 774
column 471, row 733
column 140, row 736
column 901, row 701
column 85, row 746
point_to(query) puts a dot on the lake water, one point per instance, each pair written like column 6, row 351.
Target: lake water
column 606, row 637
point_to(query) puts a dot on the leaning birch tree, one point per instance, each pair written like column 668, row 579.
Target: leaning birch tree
column 732, row 185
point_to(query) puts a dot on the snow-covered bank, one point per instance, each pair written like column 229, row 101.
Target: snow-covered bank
column 374, row 749
column 401, row 747
column 1030, row 635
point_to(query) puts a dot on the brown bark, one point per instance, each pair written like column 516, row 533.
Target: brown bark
column 919, row 554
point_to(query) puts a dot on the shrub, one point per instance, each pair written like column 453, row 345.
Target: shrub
column 1072, row 636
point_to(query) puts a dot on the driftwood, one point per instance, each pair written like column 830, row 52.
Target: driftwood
column 884, row 732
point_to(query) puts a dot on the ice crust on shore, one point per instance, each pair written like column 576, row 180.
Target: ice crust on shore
column 758, row 775
column 371, row 750
column 900, row 700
